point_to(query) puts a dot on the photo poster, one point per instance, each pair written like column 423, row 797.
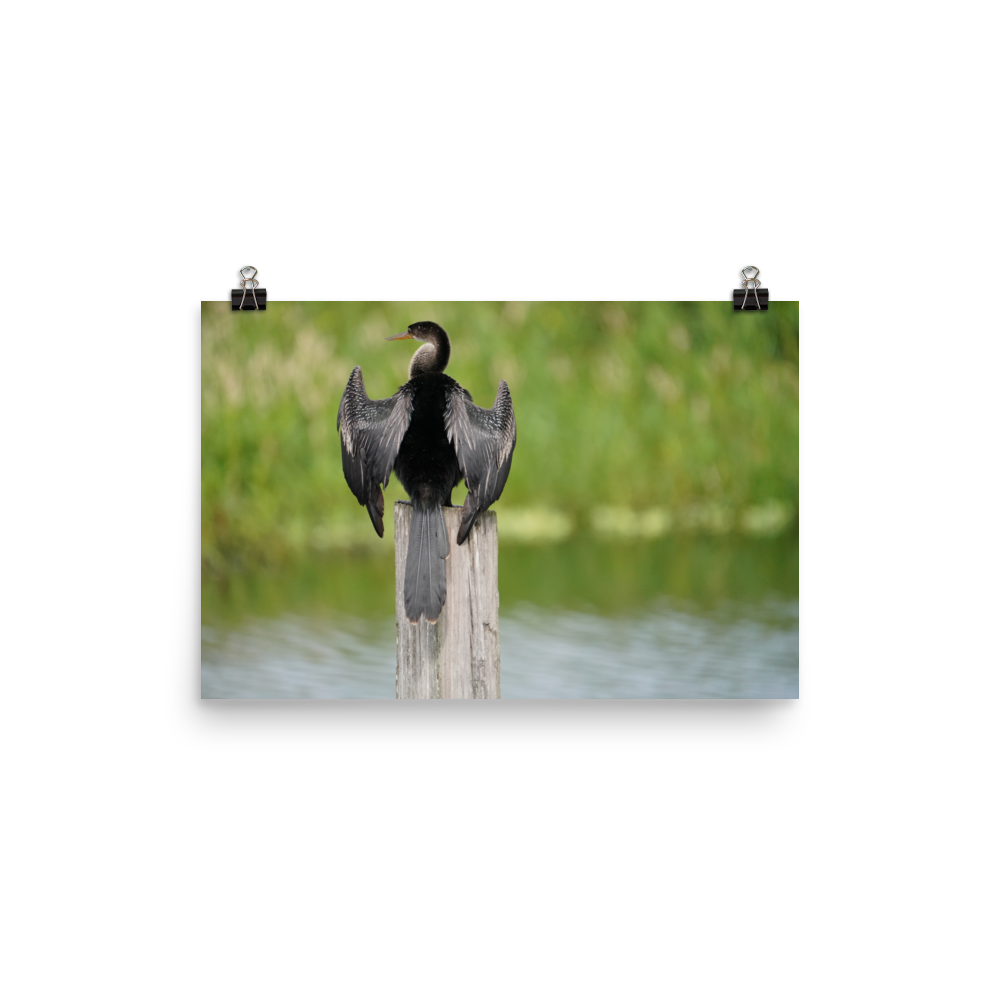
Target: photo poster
column 647, row 530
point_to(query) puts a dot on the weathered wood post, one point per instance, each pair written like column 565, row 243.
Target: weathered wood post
column 459, row 657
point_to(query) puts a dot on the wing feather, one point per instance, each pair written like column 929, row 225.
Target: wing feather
column 484, row 443
column 371, row 431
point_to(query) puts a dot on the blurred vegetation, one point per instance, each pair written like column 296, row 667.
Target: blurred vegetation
column 711, row 575
column 635, row 420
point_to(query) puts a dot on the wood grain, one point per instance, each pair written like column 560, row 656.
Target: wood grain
column 459, row 656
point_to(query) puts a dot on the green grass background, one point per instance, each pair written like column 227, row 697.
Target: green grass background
column 635, row 420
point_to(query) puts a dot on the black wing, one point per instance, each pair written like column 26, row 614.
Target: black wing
column 484, row 443
column 370, row 434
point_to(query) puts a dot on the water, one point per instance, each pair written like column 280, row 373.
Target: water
column 666, row 653
column 672, row 619
column 296, row 657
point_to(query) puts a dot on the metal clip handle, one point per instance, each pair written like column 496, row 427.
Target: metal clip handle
column 747, row 278
column 251, row 279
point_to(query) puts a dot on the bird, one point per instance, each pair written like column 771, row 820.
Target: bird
column 432, row 435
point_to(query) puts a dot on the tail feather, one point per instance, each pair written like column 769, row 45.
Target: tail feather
column 444, row 547
column 424, row 576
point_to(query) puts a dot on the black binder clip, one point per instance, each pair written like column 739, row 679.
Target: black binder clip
column 258, row 296
column 742, row 300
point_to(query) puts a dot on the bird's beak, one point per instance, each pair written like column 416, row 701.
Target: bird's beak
column 405, row 335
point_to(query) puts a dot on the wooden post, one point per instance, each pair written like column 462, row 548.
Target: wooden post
column 459, row 657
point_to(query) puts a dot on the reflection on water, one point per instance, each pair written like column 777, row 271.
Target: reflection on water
column 666, row 653
column 297, row 657
column 673, row 619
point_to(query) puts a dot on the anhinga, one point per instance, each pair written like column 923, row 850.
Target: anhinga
column 430, row 434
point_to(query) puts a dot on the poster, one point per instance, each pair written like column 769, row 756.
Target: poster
column 648, row 528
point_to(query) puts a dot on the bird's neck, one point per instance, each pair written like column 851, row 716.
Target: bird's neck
column 432, row 356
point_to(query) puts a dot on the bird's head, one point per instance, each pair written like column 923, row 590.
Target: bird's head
column 424, row 330
column 436, row 350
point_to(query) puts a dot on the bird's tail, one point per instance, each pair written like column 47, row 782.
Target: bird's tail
column 424, row 579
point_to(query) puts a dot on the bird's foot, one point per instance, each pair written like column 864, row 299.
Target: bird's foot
column 409, row 503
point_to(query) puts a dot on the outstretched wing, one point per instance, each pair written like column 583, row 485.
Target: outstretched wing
column 484, row 443
column 370, row 434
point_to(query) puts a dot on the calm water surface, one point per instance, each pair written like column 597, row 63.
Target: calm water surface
column 671, row 619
